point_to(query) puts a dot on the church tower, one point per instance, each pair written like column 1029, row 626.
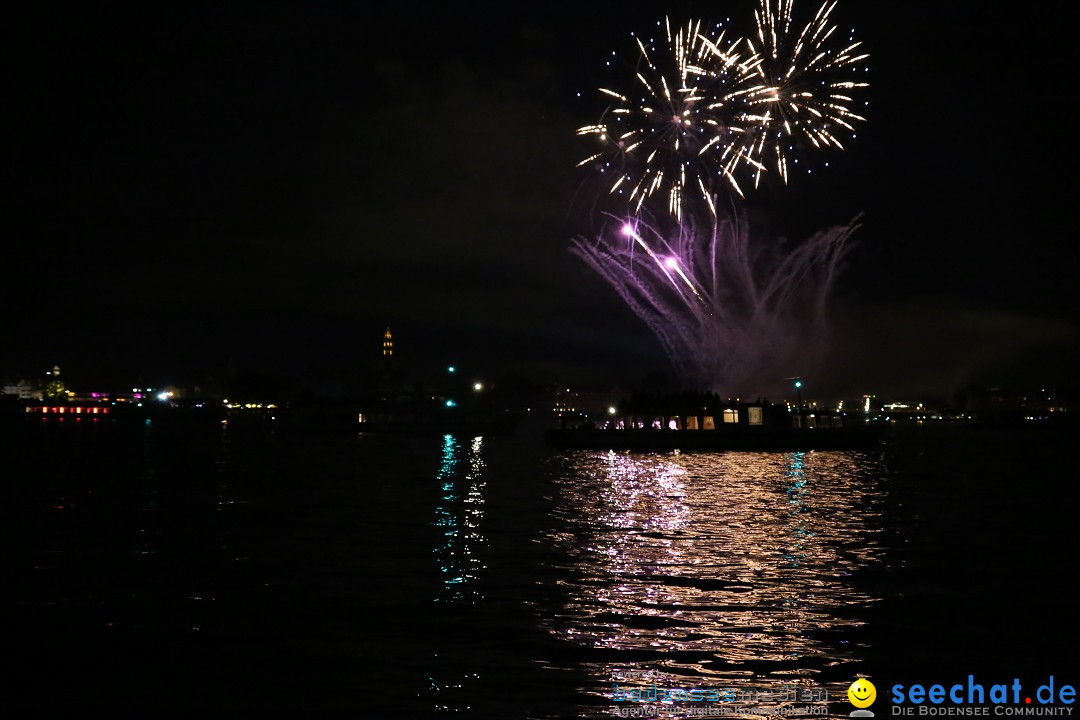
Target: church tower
column 387, row 345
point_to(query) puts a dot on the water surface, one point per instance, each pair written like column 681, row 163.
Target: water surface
column 234, row 569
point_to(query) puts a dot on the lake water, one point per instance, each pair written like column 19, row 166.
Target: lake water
column 238, row 570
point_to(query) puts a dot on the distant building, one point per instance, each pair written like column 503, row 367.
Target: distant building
column 594, row 405
column 54, row 386
column 1040, row 401
column 388, row 344
column 24, row 390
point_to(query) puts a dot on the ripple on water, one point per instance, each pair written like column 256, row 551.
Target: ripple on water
column 714, row 566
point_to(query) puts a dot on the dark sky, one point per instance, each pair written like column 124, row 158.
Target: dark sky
column 274, row 183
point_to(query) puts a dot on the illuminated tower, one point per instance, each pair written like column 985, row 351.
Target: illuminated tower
column 54, row 386
column 387, row 344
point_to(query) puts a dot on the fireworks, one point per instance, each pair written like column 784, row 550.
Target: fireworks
column 706, row 111
column 667, row 133
column 729, row 313
column 803, row 87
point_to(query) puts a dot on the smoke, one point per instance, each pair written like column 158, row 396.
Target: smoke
column 735, row 314
column 940, row 348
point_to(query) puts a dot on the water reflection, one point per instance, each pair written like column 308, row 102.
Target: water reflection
column 726, row 567
column 458, row 515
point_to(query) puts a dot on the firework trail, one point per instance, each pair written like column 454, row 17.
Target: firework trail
column 707, row 109
column 666, row 134
column 703, row 114
column 804, row 87
column 727, row 311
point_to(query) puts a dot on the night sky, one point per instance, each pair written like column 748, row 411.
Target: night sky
column 272, row 184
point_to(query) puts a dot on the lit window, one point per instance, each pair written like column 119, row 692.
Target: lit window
column 731, row 416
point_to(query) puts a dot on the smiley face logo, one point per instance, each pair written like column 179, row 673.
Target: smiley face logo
column 862, row 693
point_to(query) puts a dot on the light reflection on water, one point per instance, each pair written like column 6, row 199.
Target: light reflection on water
column 458, row 515
column 485, row 577
column 714, row 568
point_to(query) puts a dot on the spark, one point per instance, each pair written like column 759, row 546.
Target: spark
column 798, row 78
column 706, row 113
column 728, row 311
column 671, row 120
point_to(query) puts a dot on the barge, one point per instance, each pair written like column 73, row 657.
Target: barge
column 757, row 428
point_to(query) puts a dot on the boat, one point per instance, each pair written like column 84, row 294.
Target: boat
column 55, row 411
column 757, row 428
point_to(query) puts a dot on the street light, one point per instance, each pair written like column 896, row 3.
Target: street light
column 798, row 383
